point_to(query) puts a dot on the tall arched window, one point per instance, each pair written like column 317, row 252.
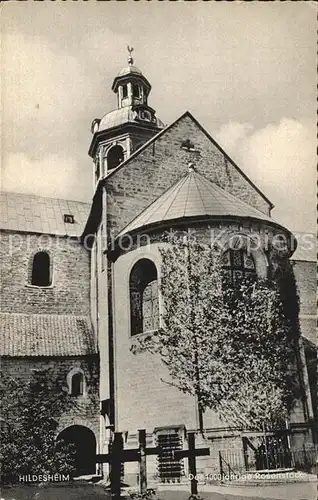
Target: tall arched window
column 144, row 301
column 114, row 157
column 238, row 264
column 41, row 270
column 125, row 91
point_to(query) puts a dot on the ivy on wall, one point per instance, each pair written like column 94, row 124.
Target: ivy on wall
column 30, row 412
column 231, row 345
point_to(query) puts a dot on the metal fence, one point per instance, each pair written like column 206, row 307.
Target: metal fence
column 239, row 461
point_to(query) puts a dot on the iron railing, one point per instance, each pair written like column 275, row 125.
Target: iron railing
column 238, row 461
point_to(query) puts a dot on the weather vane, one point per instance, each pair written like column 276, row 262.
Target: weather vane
column 130, row 50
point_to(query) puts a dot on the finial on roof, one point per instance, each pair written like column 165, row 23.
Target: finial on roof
column 130, row 59
column 191, row 167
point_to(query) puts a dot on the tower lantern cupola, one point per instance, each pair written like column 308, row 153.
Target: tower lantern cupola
column 122, row 131
column 130, row 85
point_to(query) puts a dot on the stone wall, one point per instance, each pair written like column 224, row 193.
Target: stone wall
column 86, row 408
column 69, row 292
column 157, row 167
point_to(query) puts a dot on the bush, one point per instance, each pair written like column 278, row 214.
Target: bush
column 30, row 412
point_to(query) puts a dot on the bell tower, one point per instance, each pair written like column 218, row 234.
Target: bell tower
column 122, row 131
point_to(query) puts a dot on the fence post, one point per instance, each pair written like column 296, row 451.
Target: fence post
column 245, row 452
column 306, row 462
column 221, row 466
column 143, row 467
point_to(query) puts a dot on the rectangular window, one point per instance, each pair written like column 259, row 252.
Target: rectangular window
column 136, row 90
column 69, row 219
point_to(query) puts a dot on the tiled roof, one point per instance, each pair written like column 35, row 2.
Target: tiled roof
column 193, row 196
column 45, row 335
column 30, row 213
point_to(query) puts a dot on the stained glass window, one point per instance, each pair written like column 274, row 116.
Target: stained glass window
column 150, row 312
column 238, row 264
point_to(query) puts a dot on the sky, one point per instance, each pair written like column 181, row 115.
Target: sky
column 246, row 71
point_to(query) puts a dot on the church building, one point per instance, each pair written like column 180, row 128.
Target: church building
column 150, row 179
column 81, row 298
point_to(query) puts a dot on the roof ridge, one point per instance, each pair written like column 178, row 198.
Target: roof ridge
column 227, row 194
column 152, row 205
column 145, row 145
column 206, row 133
column 181, row 182
column 196, row 179
column 215, row 202
column 3, row 192
column 210, row 187
column 163, row 198
column 231, row 196
column 76, row 316
column 230, row 159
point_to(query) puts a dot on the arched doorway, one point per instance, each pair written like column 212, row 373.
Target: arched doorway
column 84, row 442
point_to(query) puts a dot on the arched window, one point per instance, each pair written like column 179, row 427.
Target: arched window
column 77, row 384
column 41, row 270
column 114, row 157
column 144, row 302
column 125, row 91
column 136, row 91
column 97, row 169
column 238, row 264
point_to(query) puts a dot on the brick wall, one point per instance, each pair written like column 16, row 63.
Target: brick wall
column 69, row 293
column 86, row 410
column 145, row 177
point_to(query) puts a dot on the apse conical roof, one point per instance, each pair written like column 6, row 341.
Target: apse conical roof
column 193, row 196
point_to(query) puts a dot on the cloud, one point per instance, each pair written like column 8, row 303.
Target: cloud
column 53, row 176
column 281, row 159
column 45, row 124
column 232, row 135
column 39, row 102
column 58, row 73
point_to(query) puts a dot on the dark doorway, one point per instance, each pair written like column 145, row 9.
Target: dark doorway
column 84, row 442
